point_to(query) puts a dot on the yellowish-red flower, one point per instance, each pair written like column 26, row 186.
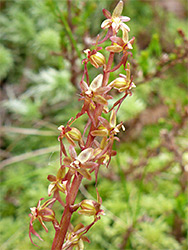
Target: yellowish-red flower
column 123, row 83
column 42, row 213
column 75, row 238
column 81, row 163
column 71, row 134
column 96, row 58
column 57, row 182
column 115, row 21
column 120, row 44
column 91, row 208
column 94, row 93
column 106, row 128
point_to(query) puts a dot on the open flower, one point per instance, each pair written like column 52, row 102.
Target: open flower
column 96, row 58
column 71, row 134
column 82, row 162
column 115, row 21
column 120, row 44
column 57, row 183
column 42, row 213
column 106, row 128
column 123, row 83
column 94, row 93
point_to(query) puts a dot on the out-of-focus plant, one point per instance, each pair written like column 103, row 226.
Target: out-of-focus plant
column 86, row 153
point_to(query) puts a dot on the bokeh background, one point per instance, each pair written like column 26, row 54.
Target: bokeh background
column 144, row 190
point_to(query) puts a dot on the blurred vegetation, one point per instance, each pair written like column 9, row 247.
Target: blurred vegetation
column 144, row 191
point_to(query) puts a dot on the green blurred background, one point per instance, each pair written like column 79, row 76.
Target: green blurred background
column 144, row 190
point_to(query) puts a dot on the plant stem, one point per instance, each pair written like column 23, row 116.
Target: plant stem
column 66, row 217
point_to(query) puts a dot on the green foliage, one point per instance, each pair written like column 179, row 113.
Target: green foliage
column 138, row 188
column 6, row 61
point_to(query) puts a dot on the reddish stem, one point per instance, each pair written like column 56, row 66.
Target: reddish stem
column 66, row 217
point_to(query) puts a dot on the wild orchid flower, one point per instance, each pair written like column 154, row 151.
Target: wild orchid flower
column 81, row 163
column 42, row 213
column 115, row 21
column 57, row 182
column 120, row 44
column 108, row 129
column 124, row 82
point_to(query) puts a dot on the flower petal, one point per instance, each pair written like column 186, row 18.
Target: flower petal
column 32, row 231
column 106, row 23
column 51, row 178
column 125, row 18
column 96, row 83
column 101, row 100
column 106, row 13
column 125, row 26
column 118, row 10
column 85, row 173
column 99, row 132
column 117, row 40
column 113, row 119
column 72, row 152
column 85, row 155
column 114, row 48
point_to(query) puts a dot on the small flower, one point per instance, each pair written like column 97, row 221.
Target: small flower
column 42, row 213
column 120, row 44
column 71, row 134
column 95, row 92
column 123, row 83
column 115, row 21
column 96, row 58
column 91, row 208
column 57, row 183
column 75, row 238
column 82, row 162
column 108, row 128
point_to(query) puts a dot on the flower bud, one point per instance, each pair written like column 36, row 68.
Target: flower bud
column 97, row 59
column 90, row 208
column 75, row 134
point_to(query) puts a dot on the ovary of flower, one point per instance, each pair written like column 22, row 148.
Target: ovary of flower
column 96, row 58
column 115, row 20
